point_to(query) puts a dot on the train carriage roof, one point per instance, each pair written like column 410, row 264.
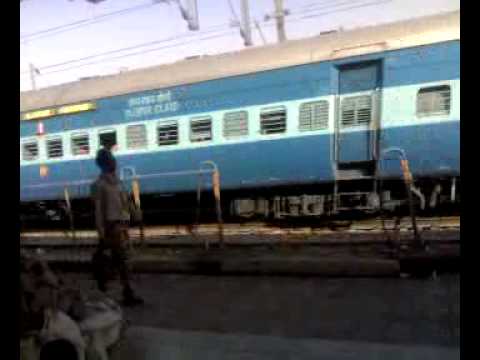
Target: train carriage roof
column 415, row 32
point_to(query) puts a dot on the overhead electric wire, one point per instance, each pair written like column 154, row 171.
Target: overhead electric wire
column 232, row 10
column 317, row 4
column 228, row 32
column 133, row 47
column 353, row 5
column 83, row 22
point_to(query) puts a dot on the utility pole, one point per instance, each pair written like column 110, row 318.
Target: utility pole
column 280, row 18
column 32, row 76
column 245, row 28
column 261, row 32
column 190, row 14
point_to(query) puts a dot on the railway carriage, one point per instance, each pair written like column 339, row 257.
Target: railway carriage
column 302, row 128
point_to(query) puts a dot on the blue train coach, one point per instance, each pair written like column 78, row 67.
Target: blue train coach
column 302, row 128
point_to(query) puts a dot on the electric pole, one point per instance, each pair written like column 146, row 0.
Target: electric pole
column 32, row 76
column 280, row 18
column 261, row 32
column 245, row 28
column 190, row 14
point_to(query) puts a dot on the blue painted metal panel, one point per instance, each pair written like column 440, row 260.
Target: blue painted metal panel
column 359, row 78
column 432, row 150
column 401, row 67
column 355, row 146
column 422, row 64
column 248, row 165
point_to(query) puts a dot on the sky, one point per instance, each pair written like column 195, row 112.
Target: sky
column 143, row 33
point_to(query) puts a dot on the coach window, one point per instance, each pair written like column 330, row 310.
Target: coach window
column 273, row 120
column 80, row 144
column 108, row 136
column 167, row 133
column 356, row 111
column 201, row 129
column 30, row 150
column 313, row 116
column 235, row 124
column 433, row 100
column 136, row 136
column 54, row 148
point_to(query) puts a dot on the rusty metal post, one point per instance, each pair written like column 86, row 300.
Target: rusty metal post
column 199, row 198
column 69, row 211
column 218, row 207
column 68, row 204
column 197, row 210
column 138, row 206
column 453, row 190
column 408, row 180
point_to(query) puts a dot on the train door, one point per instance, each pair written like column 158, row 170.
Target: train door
column 357, row 115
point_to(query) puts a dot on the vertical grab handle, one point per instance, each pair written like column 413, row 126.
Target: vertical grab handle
column 408, row 180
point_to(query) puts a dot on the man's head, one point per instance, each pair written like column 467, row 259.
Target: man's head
column 106, row 161
column 108, row 144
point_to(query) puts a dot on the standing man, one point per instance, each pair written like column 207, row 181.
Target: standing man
column 112, row 215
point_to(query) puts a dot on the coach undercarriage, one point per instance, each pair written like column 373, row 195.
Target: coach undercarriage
column 358, row 198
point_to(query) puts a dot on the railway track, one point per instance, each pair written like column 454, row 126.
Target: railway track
column 359, row 248
column 363, row 231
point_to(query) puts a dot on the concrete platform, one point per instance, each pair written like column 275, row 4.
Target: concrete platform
column 349, row 261
column 418, row 312
column 145, row 343
column 246, row 263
